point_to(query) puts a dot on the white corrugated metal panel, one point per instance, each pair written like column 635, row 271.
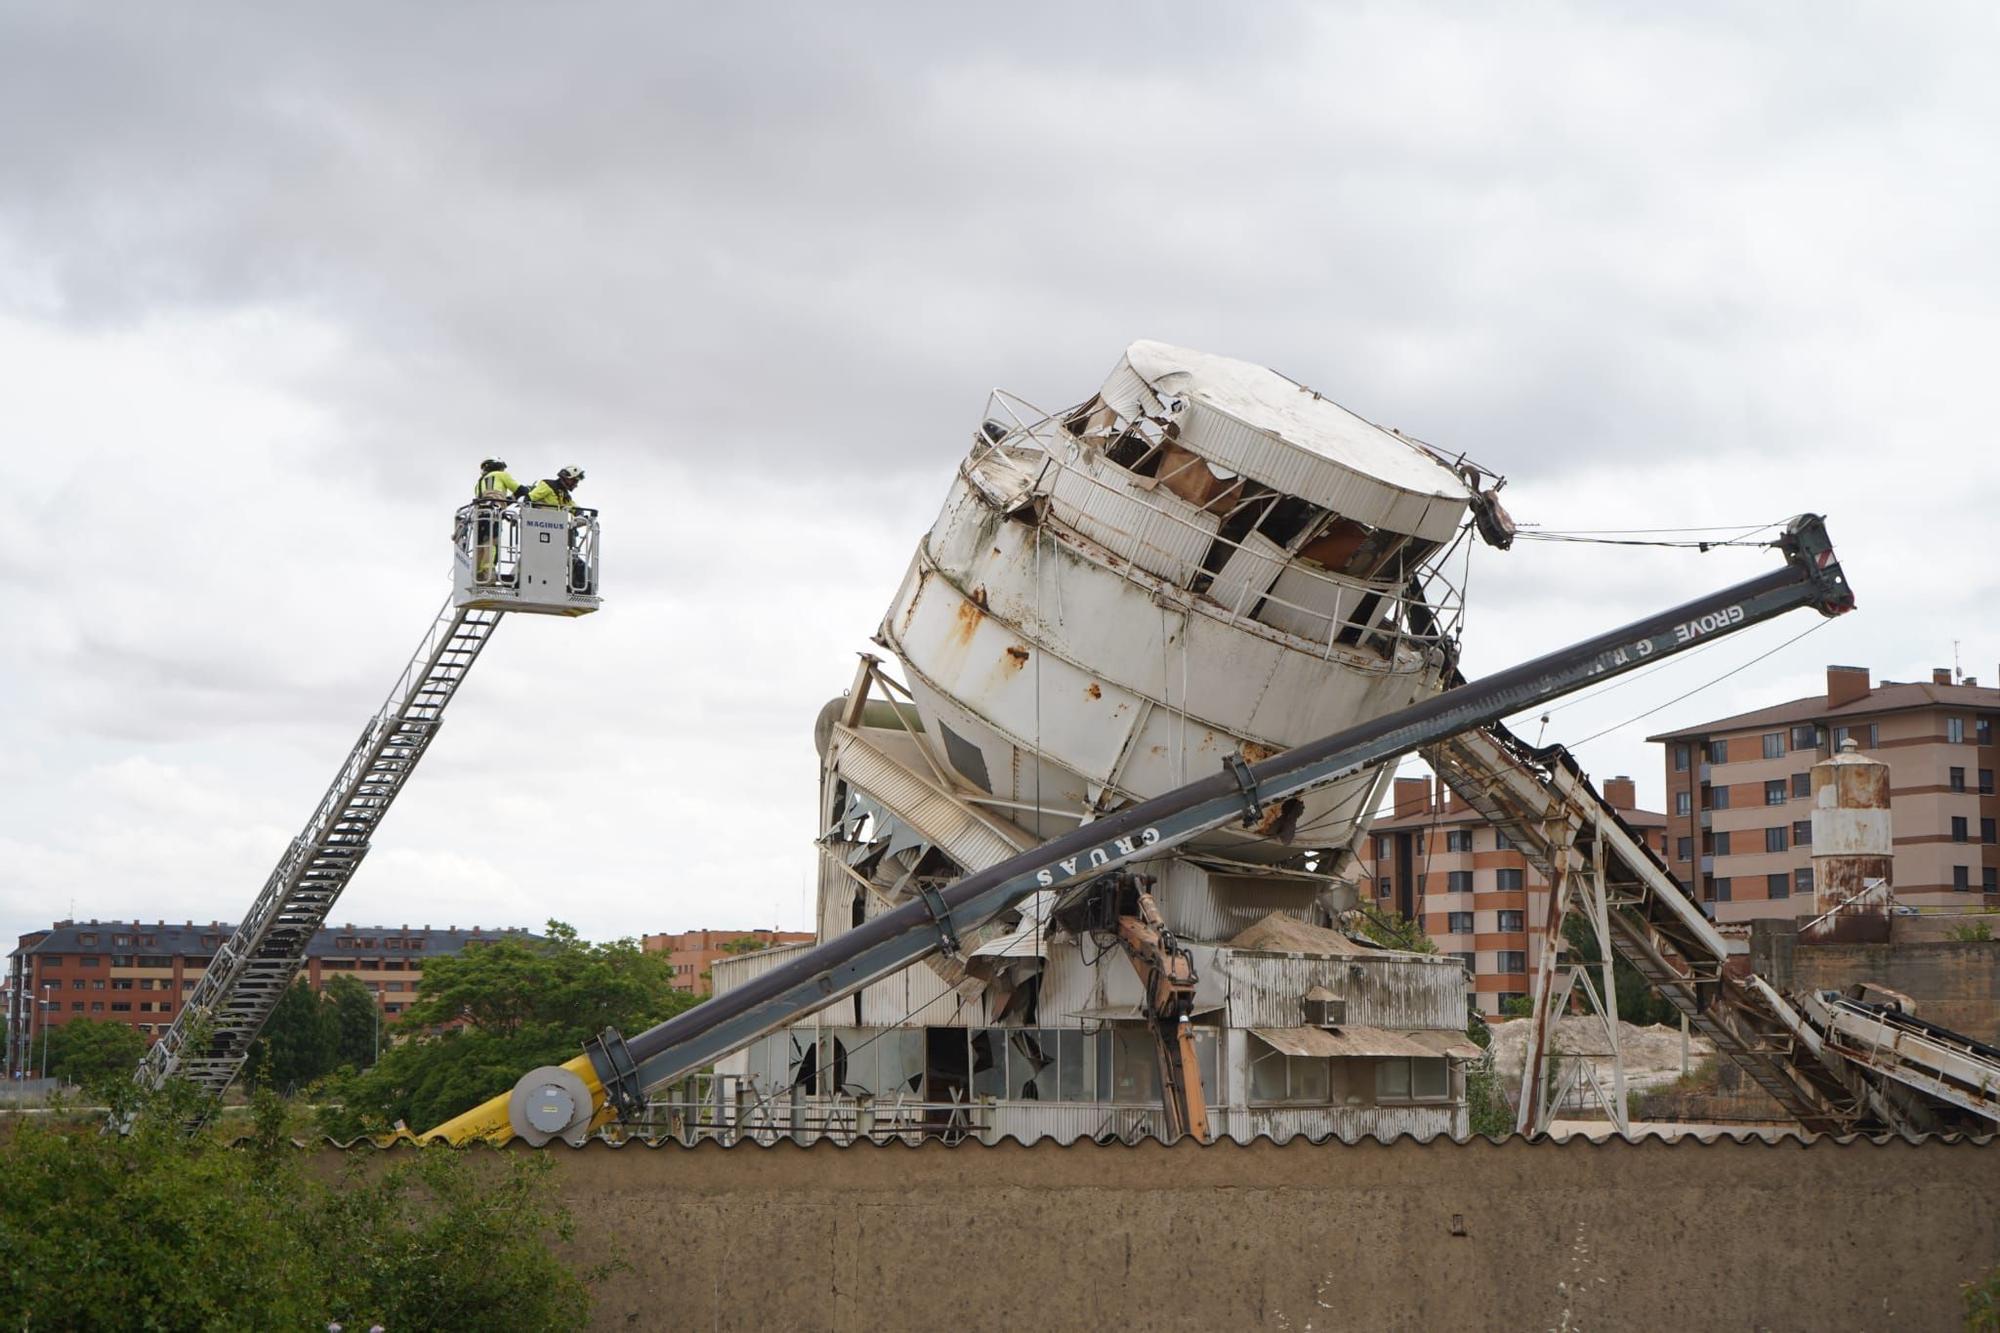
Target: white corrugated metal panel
column 944, row 820
column 1309, row 605
column 1247, row 575
column 1251, row 420
column 1159, row 532
column 729, row 973
column 1396, row 992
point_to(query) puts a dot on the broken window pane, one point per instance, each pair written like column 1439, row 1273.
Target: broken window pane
column 989, row 1063
column 1074, row 1082
column 1310, row 1080
column 1392, row 1080
column 1429, row 1078
column 1031, row 1065
column 1267, row 1077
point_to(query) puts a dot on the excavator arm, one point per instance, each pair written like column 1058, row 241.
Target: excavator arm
column 1121, row 907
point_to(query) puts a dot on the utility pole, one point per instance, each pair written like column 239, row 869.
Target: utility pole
column 47, row 986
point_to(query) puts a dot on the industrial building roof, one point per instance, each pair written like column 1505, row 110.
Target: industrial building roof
column 187, row 937
column 1888, row 697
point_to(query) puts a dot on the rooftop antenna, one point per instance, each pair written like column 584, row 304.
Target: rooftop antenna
column 1957, row 674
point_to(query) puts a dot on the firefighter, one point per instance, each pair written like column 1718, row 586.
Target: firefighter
column 495, row 488
column 557, row 492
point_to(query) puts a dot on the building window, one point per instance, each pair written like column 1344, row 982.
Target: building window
column 1469, row 961
column 1382, row 847
column 1801, row 833
column 1507, row 880
column 1718, row 798
column 89, row 960
column 86, row 939
column 1802, row 880
column 1513, row 962
column 1961, row 878
column 1774, row 745
column 1957, row 779
column 1989, row 880
column 1805, row 737
column 1774, row 839
column 1987, row 829
column 1458, row 923
column 1719, row 844
column 1683, row 803
column 1954, row 730
column 1719, row 889
column 1684, row 849
column 1382, row 887
column 97, row 1006
column 1778, row 885
column 1412, row 1080
column 1775, row 793
column 1501, row 842
column 1277, row 1078
column 1801, row 786
column 1680, row 759
column 1513, row 920
column 1458, row 840
column 1983, row 729
column 1458, row 881
column 1985, row 782
column 1718, row 752
column 1959, row 831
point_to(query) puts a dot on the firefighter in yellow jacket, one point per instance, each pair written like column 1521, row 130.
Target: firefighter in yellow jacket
column 558, row 491
column 495, row 489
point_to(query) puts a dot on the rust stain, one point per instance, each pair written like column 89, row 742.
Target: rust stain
column 979, row 597
column 968, row 615
column 1019, row 657
column 1093, row 691
column 1253, row 752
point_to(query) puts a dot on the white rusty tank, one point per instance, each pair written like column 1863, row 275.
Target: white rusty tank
column 1202, row 558
column 1853, row 844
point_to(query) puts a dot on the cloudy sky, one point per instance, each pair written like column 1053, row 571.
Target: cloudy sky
column 272, row 283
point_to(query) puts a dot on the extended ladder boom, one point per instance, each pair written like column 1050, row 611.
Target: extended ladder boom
column 211, row 1035
column 617, row 1070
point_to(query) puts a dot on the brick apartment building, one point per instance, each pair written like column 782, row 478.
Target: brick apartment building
column 1440, row 862
column 693, row 952
column 136, row 972
column 1739, row 807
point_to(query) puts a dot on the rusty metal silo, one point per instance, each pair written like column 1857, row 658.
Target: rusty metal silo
column 1853, row 847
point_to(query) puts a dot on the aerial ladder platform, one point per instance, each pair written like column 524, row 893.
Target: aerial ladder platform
column 610, row 1079
column 507, row 558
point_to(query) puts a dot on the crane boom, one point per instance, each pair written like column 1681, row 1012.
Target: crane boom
column 614, row 1072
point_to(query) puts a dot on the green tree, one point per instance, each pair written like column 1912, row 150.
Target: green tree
column 94, row 1056
column 1395, row 932
column 487, row 1016
column 1638, row 1002
column 357, row 1021
column 214, row 1236
column 299, row 1041
column 745, row 944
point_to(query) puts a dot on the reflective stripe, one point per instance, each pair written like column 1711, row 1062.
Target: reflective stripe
column 545, row 494
column 495, row 486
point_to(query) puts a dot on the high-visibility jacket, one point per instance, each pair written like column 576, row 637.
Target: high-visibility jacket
column 495, row 485
column 545, row 493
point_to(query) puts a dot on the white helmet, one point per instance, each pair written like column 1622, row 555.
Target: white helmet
column 570, row 476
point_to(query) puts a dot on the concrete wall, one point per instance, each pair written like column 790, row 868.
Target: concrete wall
column 1955, row 984
column 1647, row 1235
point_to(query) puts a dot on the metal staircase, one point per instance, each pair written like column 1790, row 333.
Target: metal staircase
column 211, row 1035
column 1548, row 808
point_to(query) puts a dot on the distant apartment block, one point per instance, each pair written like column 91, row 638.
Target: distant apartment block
column 1739, row 800
column 693, row 952
column 137, row 972
column 1437, row 860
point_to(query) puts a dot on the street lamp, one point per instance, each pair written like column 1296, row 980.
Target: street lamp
column 47, row 1003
